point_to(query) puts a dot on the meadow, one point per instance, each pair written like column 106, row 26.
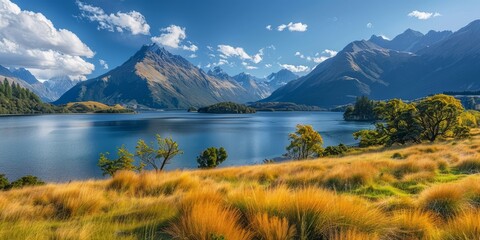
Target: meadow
column 423, row 191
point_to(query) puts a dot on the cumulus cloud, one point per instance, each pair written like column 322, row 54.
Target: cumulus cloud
column 293, row 68
column 369, row 25
column 103, row 63
column 30, row 40
column 173, row 36
column 326, row 54
column 269, row 27
column 423, row 15
column 293, row 27
column 132, row 21
column 227, row 51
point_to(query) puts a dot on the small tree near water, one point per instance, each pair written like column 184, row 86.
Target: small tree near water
column 305, row 143
column 160, row 156
column 125, row 161
column 212, row 157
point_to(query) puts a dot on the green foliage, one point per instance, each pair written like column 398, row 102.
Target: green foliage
column 363, row 110
column 335, row 150
column 24, row 181
column 370, row 138
column 212, row 157
column 165, row 151
column 17, row 100
column 438, row 115
column 125, row 161
column 3, row 182
column 305, row 143
column 227, row 107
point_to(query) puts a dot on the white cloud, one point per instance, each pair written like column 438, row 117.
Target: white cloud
column 293, row 27
column 384, row 37
column 251, row 67
column 257, row 57
column 293, row 68
column 132, row 21
column 103, row 63
column 369, row 25
column 298, row 54
column 193, row 55
column 173, row 36
column 210, row 48
column 423, row 15
column 268, row 65
column 229, row 51
column 30, row 40
column 269, row 27
column 326, row 54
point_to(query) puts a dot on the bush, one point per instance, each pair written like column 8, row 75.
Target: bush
column 469, row 166
column 212, row 157
column 444, row 200
column 28, row 180
column 335, row 150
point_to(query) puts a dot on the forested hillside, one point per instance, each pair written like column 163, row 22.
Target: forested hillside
column 17, row 100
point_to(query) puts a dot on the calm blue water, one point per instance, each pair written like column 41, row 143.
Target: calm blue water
column 66, row 147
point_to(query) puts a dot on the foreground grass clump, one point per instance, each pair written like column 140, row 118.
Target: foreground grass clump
column 426, row 194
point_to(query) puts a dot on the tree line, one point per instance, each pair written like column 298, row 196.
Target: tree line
column 15, row 99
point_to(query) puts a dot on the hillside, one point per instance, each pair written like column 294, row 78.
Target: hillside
column 410, row 66
column 94, row 107
column 427, row 191
column 155, row 78
column 16, row 99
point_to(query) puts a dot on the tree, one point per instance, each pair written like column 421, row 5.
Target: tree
column 167, row 149
column 370, row 137
column 24, row 181
column 305, row 143
column 125, row 161
column 4, row 182
column 212, row 157
column 399, row 122
column 363, row 110
column 438, row 115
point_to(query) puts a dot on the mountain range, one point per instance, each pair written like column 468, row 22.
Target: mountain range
column 410, row 66
column 48, row 91
column 155, row 78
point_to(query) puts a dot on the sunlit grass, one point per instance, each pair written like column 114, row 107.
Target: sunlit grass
column 431, row 192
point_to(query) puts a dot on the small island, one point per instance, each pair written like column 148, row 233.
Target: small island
column 94, row 107
column 227, row 107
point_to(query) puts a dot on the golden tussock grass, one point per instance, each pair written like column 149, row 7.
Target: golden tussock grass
column 433, row 192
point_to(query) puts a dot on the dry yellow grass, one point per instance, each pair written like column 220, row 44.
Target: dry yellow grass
column 364, row 195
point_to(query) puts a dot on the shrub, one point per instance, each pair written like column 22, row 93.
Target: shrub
column 413, row 224
column 398, row 155
column 469, row 166
column 212, row 157
column 335, row 150
column 24, row 181
column 266, row 227
column 465, row 226
column 204, row 220
column 305, row 143
column 446, row 200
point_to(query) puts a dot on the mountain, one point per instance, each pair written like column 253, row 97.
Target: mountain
column 411, row 40
column 220, row 74
column 155, row 78
column 356, row 70
column 58, row 86
column 253, row 85
column 280, row 78
column 25, row 75
column 383, row 69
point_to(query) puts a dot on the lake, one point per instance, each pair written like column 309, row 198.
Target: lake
column 66, row 147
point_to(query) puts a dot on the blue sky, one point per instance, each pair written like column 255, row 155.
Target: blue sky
column 86, row 36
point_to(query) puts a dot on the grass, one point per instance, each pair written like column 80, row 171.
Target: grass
column 431, row 192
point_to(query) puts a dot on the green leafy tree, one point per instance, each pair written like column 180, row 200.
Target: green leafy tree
column 212, row 157
column 363, row 110
column 305, row 143
column 335, row 150
column 399, row 122
column 24, row 181
column 438, row 115
column 125, row 161
column 370, row 137
column 3, row 182
column 166, row 150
